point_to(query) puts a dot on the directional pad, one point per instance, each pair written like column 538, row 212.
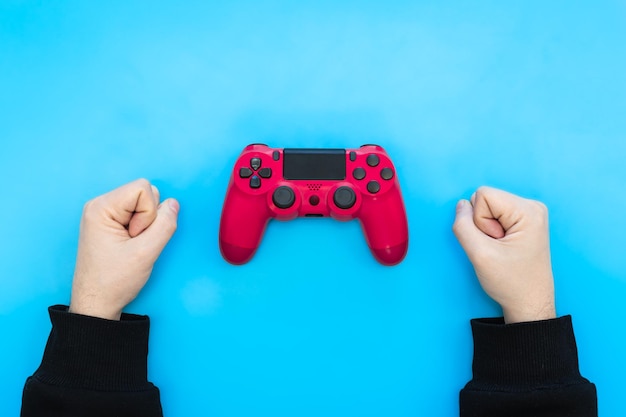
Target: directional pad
column 255, row 172
column 245, row 172
column 255, row 182
column 265, row 172
column 255, row 163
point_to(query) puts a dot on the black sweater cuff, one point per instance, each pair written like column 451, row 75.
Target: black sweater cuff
column 96, row 354
column 523, row 356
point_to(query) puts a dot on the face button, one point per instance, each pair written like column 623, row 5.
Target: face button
column 358, row 173
column 255, row 163
column 372, row 160
column 245, row 172
column 275, row 155
column 344, row 197
column 255, row 182
column 283, row 197
column 265, row 172
column 386, row 174
column 314, row 200
column 352, row 156
column 373, row 187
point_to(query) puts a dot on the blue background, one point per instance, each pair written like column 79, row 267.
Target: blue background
column 529, row 96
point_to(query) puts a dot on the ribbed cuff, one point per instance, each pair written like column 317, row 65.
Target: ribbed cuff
column 94, row 353
column 524, row 355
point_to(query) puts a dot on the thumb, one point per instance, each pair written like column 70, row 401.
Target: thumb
column 466, row 232
column 156, row 236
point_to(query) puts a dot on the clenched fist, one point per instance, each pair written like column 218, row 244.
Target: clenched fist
column 122, row 233
column 506, row 238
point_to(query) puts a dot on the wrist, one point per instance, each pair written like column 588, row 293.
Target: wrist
column 524, row 314
column 94, row 310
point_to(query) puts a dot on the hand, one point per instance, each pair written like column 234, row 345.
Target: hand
column 122, row 233
column 506, row 238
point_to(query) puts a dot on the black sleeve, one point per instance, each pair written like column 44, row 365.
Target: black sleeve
column 93, row 367
column 526, row 369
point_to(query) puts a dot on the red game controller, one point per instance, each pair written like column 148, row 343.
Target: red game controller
column 284, row 184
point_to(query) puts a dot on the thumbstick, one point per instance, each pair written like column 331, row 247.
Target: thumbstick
column 344, row 197
column 284, row 197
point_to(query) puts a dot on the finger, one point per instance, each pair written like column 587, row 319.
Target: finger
column 496, row 211
column 483, row 218
column 466, row 232
column 145, row 212
column 132, row 205
column 156, row 194
column 156, row 236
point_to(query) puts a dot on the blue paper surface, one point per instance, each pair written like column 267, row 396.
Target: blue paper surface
column 527, row 96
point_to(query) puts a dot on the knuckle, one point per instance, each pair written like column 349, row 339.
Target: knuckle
column 457, row 227
column 543, row 207
column 537, row 213
column 91, row 209
column 540, row 209
column 88, row 206
column 483, row 190
column 143, row 183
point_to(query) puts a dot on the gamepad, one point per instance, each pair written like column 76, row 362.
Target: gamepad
column 283, row 184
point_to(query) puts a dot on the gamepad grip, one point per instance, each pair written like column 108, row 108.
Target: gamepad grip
column 343, row 184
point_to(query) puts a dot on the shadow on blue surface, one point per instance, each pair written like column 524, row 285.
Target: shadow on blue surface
column 524, row 96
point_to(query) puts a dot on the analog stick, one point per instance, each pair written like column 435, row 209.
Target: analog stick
column 344, row 197
column 284, row 197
